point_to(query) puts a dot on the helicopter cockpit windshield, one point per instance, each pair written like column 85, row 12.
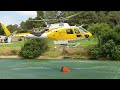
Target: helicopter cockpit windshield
column 82, row 29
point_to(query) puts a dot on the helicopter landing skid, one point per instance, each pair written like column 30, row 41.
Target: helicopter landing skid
column 65, row 44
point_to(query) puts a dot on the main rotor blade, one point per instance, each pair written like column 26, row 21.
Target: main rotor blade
column 44, row 20
column 72, row 15
column 35, row 20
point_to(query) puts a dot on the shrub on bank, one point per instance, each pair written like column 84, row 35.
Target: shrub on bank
column 108, row 43
column 116, row 52
column 33, row 48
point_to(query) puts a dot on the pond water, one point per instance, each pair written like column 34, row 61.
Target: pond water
column 50, row 69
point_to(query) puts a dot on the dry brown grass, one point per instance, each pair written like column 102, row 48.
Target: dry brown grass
column 76, row 52
column 6, row 51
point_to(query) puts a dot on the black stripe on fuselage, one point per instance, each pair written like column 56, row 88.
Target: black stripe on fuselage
column 39, row 33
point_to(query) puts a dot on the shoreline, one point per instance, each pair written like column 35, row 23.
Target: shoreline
column 40, row 57
column 15, row 56
column 46, row 57
column 19, row 57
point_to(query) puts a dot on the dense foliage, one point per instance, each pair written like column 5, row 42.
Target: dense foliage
column 84, row 17
column 109, row 42
column 13, row 28
column 33, row 48
column 1, row 30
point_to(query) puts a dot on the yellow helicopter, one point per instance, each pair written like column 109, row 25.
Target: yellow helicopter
column 62, row 33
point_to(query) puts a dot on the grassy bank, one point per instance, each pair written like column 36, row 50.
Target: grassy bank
column 81, row 51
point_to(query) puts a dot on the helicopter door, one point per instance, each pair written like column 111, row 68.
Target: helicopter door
column 58, row 35
column 77, row 32
column 70, row 34
column 61, row 35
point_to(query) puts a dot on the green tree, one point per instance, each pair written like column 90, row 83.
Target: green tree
column 13, row 28
column 1, row 30
column 109, row 41
column 40, row 14
column 27, row 24
column 106, row 48
column 85, row 17
column 99, row 29
column 116, row 52
column 33, row 48
column 94, row 52
column 114, row 17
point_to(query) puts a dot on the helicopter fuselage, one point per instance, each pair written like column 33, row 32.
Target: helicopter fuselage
column 65, row 34
column 60, row 34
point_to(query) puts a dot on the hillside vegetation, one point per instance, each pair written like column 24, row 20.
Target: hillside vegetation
column 81, row 51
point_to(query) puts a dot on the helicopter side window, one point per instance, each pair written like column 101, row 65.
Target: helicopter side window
column 77, row 31
column 69, row 31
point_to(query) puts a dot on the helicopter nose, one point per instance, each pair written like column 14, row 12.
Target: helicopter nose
column 44, row 35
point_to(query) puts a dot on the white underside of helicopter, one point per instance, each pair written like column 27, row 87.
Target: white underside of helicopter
column 44, row 35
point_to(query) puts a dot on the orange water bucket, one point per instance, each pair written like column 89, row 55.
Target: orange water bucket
column 65, row 69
